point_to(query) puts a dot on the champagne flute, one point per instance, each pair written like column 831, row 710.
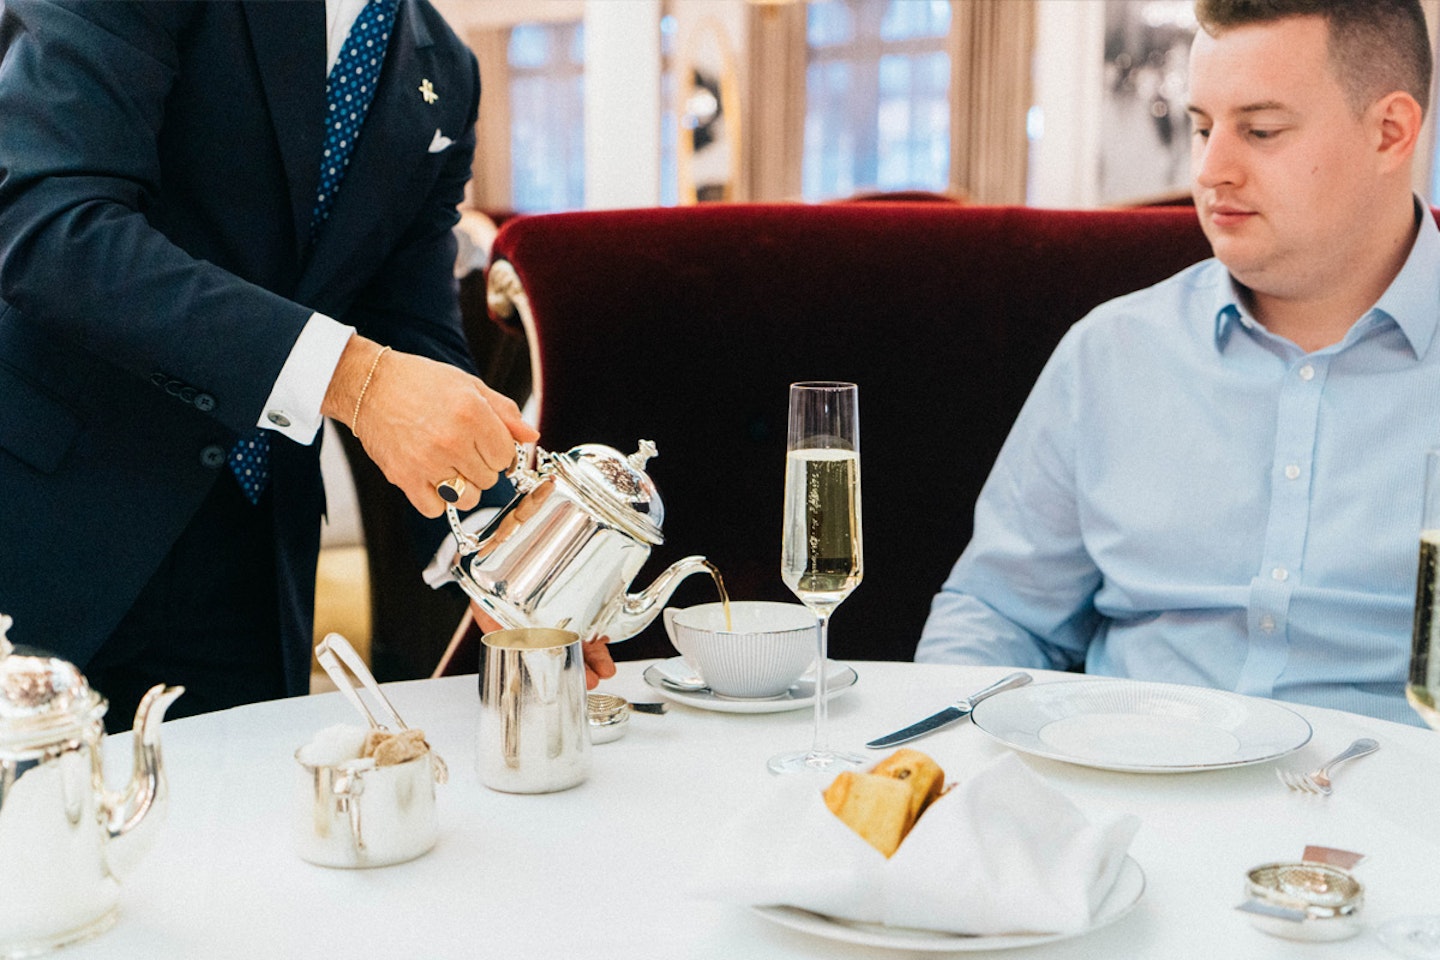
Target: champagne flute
column 1418, row 937
column 821, row 557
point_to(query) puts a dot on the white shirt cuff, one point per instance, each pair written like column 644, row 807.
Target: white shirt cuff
column 293, row 407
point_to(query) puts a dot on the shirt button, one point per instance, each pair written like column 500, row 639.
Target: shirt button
column 1267, row 623
column 204, row 402
column 278, row 418
column 1307, row 372
column 213, row 456
column 1280, row 573
column 1292, row 472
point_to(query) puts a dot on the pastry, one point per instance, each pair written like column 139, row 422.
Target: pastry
column 883, row 804
column 875, row 807
column 922, row 775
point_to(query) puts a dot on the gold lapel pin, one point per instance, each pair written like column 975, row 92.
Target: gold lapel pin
column 427, row 90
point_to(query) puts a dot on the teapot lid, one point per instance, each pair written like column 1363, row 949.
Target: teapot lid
column 42, row 697
column 617, row 486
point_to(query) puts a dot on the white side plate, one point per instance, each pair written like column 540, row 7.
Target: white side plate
column 1139, row 727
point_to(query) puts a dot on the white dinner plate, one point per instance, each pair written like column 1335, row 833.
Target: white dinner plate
column 802, row 694
column 1129, row 885
column 1141, row 727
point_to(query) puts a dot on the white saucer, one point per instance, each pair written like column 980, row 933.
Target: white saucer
column 839, row 679
column 1129, row 885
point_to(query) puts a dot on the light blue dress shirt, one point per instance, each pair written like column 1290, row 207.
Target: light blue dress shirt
column 1186, row 497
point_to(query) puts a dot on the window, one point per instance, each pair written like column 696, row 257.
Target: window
column 669, row 121
column 547, row 125
column 877, row 93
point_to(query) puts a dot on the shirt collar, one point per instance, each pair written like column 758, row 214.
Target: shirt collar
column 1413, row 297
column 1229, row 309
column 1412, row 300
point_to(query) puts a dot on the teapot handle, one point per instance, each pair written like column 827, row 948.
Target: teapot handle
column 519, row 473
column 466, row 543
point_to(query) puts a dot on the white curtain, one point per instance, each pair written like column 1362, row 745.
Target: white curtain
column 490, row 184
column 775, row 107
column 991, row 44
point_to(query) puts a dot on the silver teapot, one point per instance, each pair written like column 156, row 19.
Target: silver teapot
column 562, row 553
column 65, row 840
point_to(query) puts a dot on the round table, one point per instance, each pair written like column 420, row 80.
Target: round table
column 602, row 870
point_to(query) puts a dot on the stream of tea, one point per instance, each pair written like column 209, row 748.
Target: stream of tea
column 724, row 596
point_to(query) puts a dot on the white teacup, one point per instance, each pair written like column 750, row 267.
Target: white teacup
column 769, row 646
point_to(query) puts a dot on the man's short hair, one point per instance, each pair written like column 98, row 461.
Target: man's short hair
column 1377, row 46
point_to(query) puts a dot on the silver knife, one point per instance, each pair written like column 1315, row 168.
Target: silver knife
column 958, row 710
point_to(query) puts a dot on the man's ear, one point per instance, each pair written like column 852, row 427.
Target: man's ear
column 1397, row 118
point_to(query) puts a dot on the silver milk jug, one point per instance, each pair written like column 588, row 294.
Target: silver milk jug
column 534, row 733
column 562, row 553
column 65, row 841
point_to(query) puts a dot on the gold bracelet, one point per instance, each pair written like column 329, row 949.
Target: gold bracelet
column 355, row 417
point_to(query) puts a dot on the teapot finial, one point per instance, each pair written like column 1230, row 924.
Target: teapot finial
column 639, row 457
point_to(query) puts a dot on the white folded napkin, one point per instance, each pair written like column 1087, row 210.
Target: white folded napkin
column 1002, row 852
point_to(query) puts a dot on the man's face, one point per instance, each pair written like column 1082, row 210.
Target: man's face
column 1283, row 170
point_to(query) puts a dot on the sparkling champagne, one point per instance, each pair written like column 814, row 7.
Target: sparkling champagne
column 1424, row 682
column 821, row 554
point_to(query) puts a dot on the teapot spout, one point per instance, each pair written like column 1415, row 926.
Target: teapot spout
column 634, row 611
column 145, row 798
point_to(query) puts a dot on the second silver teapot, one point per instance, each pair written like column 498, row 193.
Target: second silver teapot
column 65, row 840
column 562, row 553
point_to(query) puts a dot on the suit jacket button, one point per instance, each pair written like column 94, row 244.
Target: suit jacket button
column 204, row 402
column 213, row 456
column 278, row 418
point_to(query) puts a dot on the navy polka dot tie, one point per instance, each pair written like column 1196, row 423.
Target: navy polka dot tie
column 348, row 91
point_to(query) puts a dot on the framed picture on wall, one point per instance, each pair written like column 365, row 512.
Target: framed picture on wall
column 1145, row 143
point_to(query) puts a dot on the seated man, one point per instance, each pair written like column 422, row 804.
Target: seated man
column 1218, row 480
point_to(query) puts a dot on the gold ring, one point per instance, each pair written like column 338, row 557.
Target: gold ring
column 451, row 490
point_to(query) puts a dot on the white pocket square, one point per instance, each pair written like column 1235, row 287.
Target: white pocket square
column 440, row 142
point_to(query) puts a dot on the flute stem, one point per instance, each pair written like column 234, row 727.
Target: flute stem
column 821, row 743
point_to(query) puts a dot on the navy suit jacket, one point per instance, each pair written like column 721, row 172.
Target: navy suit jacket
column 158, row 165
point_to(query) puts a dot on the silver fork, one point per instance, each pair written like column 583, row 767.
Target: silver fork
column 1318, row 781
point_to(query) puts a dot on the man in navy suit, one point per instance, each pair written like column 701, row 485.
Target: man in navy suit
column 174, row 285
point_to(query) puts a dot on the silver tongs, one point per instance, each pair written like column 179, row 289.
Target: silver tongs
column 334, row 650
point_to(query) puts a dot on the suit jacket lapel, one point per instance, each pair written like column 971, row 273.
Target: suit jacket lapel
column 289, row 43
column 392, row 142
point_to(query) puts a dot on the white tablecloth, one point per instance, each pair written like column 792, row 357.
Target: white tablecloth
column 601, row 870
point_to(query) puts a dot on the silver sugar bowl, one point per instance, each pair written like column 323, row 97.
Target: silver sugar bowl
column 65, row 841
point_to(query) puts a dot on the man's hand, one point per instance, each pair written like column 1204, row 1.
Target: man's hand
column 423, row 422
column 598, row 663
